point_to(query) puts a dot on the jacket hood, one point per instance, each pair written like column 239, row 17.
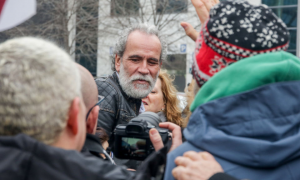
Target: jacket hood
column 250, row 116
column 258, row 128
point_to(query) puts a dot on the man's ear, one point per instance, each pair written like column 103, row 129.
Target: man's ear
column 160, row 63
column 72, row 123
column 92, row 121
column 117, row 62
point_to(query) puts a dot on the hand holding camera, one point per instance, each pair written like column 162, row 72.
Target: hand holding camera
column 175, row 134
column 144, row 134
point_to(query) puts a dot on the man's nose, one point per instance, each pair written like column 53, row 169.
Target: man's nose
column 143, row 69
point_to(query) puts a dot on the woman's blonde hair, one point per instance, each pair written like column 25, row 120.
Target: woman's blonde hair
column 172, row 110
column 190, row 92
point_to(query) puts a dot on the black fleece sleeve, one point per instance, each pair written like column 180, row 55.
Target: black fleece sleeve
column 221, row 176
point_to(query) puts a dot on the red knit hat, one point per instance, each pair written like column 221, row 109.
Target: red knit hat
column 236, row 30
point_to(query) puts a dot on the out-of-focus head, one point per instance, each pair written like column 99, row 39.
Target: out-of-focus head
column 234, row 31
column 139, row 53
column 40, row 93
column 164, row 98
column 90, row 98
column 103, row 137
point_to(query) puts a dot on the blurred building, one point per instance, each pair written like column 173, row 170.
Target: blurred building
column 98, row 22
column 115, row 15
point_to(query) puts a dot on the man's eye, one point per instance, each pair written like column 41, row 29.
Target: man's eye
column 152, row 92
column 134, row 60
column 153, row 62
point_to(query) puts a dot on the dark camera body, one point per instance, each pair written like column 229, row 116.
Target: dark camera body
column 132, row 140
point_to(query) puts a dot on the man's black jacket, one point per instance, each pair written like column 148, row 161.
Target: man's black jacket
column 93, row 147
column 221, row 176
column 117, row 107
column 22, row 157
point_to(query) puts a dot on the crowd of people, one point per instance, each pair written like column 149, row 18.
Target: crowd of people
column 241, row 121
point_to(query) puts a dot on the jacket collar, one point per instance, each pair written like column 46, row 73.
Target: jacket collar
column 93, row 144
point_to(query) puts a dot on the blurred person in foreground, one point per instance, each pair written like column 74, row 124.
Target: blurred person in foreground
column 238, row 114
column 92, row 145
column 103, row 137
column 163, row 100
column 138, row 56
column 43, row 117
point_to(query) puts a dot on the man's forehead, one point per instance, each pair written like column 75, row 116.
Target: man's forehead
column 140, row 40
column 141, row 35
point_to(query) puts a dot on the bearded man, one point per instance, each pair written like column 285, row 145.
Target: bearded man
column 138, row 52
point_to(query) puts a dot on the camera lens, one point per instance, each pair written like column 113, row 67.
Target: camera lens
column 150, row 117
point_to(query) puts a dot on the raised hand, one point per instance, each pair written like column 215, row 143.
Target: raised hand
column 202, row 8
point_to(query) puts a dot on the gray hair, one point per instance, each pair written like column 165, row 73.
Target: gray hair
column 120, row 46
column 38, row 82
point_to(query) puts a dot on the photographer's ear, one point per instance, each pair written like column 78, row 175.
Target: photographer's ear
column 73, row 119
column 156, row 139
column 91, row 124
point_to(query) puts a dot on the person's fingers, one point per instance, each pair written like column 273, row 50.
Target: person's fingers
column 199, row 156
column 156, row 139
column 193, row 155
column 208, row 4
column 175, row 129
column 168, row 125
column 182, row 161
column 131, row 169
column 178, row 172
column 176, row 134
column 206, row 156
column 202, row 11
column 214, row 2
column 189, row 30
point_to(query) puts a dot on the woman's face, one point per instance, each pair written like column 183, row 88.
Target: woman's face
column 154, row 102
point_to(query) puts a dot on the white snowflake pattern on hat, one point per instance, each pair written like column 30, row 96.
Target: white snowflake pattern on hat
column 222, row 28
column 271, row 25
column 245, row 4
column 254, row 14
column 267, row 38
column 245, row 23
column 227, row 10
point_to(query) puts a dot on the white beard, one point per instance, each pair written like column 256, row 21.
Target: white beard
column 137, row 91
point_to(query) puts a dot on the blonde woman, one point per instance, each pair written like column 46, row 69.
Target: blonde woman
column 163, row 100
